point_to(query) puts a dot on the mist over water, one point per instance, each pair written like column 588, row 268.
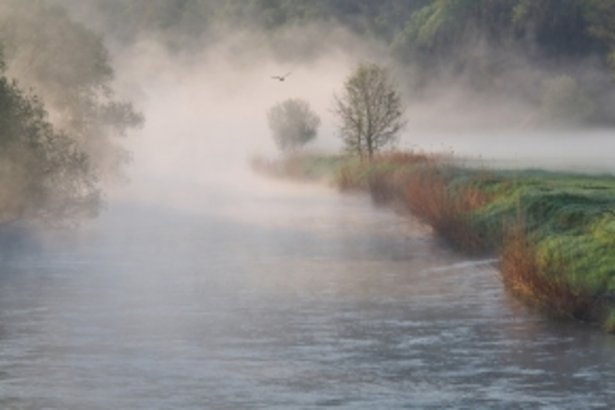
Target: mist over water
column 206, row 286
column 206, row 116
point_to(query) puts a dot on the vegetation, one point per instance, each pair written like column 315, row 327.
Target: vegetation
column 57, row 138
column 554, row 232
column 43, row 174
column 370, row 111
column 488, row 48
column 68, row 67
column 293, row 124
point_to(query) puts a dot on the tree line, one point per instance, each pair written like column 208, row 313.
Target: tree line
column 432, row 29
column 527, row 50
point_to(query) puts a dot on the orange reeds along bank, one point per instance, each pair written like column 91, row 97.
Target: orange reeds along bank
column 541, row 282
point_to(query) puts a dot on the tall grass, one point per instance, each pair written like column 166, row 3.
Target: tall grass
column 542, row 282
column 449, row 211
column 421, row 183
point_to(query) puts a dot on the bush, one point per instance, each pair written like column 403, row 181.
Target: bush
column 293, row 124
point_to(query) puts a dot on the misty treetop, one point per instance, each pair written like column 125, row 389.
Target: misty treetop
column 175, row 21
column 293, row 124
column 553, row 28
column 57, row 138
column 370, row 111
column 68, row 66
column 491, row 48
column 43, row 174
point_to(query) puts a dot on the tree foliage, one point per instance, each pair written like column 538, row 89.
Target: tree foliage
column 43, row 174
column 487, row 46
column 68, row 67
column 552, row 28
column 293, row 124
column 601, row 25
column 370, row 111
column 188, row 20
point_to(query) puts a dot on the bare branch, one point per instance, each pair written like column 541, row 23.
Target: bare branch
column 370, row 111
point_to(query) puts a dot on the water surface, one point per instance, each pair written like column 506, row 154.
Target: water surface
column 289, row 298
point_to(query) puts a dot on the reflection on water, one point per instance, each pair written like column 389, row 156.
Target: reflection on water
column 286, row 300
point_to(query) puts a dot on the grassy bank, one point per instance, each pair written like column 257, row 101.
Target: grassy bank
column 554, row 232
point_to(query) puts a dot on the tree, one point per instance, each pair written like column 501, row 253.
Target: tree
column 370, row 111
column 43, row 174
column 293, row 124
column 553, row 28
column 601, row 25
column 69, row 68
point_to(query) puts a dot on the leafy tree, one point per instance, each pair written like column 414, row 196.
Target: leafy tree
column 553, row 28
column 600, row 15
column 442, row 32
column 68, row 67
column 370, row 111
column 187, row 22
column 43, row 174
column 293, row 124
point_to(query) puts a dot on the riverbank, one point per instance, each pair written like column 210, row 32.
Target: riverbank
column 553, row 232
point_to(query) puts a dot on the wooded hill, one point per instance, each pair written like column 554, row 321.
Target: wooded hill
column 556, row 55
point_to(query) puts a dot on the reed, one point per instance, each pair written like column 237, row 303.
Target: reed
column 542, row 282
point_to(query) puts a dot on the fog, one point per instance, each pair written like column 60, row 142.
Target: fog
column 206, row 285
column 205, row 103
column 207, row 112
column 206, row 116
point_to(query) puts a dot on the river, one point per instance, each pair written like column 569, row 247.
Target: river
column 292, row 297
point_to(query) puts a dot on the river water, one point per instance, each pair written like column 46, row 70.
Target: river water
column 292, row 297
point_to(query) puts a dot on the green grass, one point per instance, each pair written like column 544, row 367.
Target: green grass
column 569, row 218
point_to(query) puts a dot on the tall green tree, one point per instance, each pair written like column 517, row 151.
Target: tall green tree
column 370, row 111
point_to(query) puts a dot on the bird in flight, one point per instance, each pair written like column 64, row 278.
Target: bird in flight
column 281, row 77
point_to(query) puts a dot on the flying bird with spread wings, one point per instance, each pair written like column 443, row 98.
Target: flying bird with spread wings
column 281, row 77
